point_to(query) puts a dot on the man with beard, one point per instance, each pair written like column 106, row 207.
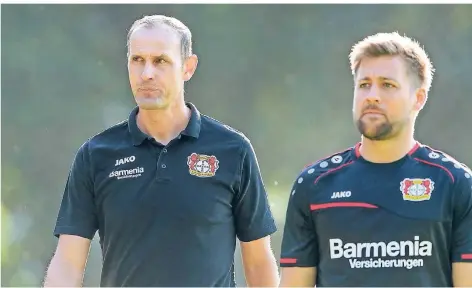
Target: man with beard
column 388, row 211
column 169, row 190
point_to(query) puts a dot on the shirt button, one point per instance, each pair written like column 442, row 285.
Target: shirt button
column 164, row 150
column 163, row 166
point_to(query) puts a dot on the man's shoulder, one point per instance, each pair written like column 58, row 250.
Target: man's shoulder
column 215, row 128
column 453, row 167
column 107, row 136
column 308, row 178
column 327, row 164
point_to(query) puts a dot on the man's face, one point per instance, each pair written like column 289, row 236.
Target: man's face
column 385, row 99
column 156, row 70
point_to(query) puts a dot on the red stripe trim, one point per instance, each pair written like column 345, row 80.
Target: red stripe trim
column 288, row 260
column 332, row 170
column 357, row 149
column 341, row 204
column 437, row 165
column 466, row 256
column 413, row 150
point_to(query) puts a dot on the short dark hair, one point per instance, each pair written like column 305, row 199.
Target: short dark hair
column 152, row 21
column 393, row 44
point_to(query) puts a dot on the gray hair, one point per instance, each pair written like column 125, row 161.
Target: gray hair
column 175, row 24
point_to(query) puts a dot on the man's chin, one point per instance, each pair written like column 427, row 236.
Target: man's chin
column 375, row 137
column 375, row 132
column 151, row 104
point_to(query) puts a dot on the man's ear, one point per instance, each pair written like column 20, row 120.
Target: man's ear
column 190, row 65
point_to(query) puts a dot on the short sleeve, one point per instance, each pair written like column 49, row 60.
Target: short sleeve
column 77, row 214
column 299, row 242
column 253, row 217
column 462, row 221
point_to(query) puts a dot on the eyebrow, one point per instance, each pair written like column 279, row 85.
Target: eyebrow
column 381, row 78
column 161, row 56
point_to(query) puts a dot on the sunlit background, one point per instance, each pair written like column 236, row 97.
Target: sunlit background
column 278, row 73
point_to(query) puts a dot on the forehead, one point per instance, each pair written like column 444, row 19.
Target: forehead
column 154, row 41
column 393, row 67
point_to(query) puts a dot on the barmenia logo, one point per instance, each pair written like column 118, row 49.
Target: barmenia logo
column 128, row 173
column 410, row 251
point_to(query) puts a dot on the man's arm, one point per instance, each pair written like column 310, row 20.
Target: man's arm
column 68, row 263
column 462, row 231
column 260, row 266
column 299, row 254
column 254, row 222
column 298, row 277
column 75, row 227
column 462, row 274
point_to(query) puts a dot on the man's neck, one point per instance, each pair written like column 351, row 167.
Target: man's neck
column 387, row 151
column 166, row 124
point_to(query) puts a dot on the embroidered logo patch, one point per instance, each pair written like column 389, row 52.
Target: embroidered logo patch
column 416, row 189
column 202, row 165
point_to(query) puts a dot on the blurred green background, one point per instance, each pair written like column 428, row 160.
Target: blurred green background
column 278, row 73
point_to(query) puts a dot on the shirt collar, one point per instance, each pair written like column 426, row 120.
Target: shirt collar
column 194, row 124
column 192, row 130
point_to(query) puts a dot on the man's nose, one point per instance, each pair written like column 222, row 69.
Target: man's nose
column 149, row 72
column 373, row 94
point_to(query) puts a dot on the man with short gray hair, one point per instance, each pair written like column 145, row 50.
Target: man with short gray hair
column 169, row 190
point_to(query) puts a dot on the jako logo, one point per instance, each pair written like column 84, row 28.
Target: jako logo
column 342, row 194
column 125, row 160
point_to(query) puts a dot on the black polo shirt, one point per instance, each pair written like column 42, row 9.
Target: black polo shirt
column 167, row 215
column 367, row 224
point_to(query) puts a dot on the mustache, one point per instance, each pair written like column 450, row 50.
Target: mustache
column 371, row 107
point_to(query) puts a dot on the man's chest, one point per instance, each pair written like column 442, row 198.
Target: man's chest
column 376, row 206
column 184, row 184
column 394, row 215
column 415, row 194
